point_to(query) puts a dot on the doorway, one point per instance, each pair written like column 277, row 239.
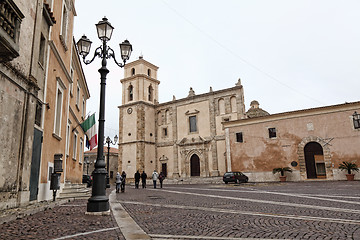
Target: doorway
column 35, row 164
column 164, row 169
column 195, row 165
column 314, row 160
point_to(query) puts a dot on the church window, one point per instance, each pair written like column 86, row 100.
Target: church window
column 192, row 124
column 356, row 120
column 221, row 106
column 239, row 137
column 233, row 104
column 130, row 90
column 165, row 132
column 149, row 72
column 159, row 118
column 272, row 132
column 150, row 93
column 167, row 117
column 132, row 71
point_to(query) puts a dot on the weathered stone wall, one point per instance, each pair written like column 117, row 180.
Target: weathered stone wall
column 331, row 127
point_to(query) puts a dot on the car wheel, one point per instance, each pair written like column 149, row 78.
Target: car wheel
column 246, row 180
column 226, row 182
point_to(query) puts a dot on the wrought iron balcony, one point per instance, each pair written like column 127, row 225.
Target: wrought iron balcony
column 10, row 20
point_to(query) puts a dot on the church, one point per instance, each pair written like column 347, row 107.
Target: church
column 182, row 138
column 208, row 134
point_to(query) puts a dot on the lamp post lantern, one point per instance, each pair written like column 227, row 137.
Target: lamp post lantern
column 99, row 202
column 108, row 141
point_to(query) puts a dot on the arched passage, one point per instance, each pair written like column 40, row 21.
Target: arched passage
column 314, row 160
column 195, row 165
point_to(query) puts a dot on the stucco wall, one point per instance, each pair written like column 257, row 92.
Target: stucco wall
column 331, row 127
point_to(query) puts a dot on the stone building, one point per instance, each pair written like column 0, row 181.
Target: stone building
column 36, row 57
column 182, row 138
column 21, row 76
column 312, row 142
column 65, row 94
column 90, row 159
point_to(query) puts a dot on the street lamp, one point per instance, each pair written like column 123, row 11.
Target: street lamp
column 108, row 141
column 99, row 202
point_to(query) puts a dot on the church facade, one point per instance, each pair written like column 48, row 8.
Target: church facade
column 182, row 138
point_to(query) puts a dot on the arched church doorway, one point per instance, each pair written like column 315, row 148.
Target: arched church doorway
column 314, row 160
column 195, row 165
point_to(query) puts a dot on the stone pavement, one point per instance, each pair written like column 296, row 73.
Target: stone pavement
column 303, row 210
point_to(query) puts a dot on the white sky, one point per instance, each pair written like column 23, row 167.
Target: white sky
column 289, row 54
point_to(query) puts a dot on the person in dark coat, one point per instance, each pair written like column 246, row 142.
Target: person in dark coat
column 137, row 179
column 161, row 178
column 123, row 176
column 143, row 179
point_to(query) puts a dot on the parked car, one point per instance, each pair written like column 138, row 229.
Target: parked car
column 236, row 177
column 87, row 179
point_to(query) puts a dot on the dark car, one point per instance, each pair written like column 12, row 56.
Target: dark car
column 236, row 177
column 87, row 179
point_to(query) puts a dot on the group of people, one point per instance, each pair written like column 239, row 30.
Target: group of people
column 120, row 180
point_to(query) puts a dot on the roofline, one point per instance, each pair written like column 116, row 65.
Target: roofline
column 294, row 114
column 200, row 95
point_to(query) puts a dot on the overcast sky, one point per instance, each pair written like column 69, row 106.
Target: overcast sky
column 289, row 54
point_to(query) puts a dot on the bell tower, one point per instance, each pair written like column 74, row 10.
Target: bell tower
column 137, row 117
column 140, row 82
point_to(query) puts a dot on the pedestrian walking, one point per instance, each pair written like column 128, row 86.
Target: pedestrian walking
column 143, row 179
column 123, row 180
column 161, row 178
column 118, row 182
column 137, row 179
column 155, row 177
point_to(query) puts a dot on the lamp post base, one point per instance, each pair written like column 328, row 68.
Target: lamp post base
column 98, row 204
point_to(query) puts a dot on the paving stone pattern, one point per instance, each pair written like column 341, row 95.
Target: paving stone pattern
column 166, row 212
column 64, row 220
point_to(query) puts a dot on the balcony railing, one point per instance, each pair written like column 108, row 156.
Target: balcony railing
column 10, row 20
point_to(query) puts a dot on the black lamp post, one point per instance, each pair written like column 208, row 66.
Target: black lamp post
column 99, row 202
column 108, row 141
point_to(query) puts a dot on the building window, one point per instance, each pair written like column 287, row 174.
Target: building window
column 356, row 120
column 233, row 104
column 239, row 137
column 83, row 108
column 77, row 95
column 165, row 132
column 221, row 103
column 64, row 26
column 81, row 150
column 67, row 138
column 192, row 124
column 149, row 72
column 150, row 93
column 42, row 50
column 72, row 80
column 75, row 145
column 272, row 132
column 130, row 90
column 38, row 113
column 132, row 71
column 58, row 110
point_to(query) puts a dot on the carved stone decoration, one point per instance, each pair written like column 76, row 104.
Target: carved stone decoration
column 10, row 21
column 189, row 147
column 327, row 156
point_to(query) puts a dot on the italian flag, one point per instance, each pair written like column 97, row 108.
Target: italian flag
column 89, row 127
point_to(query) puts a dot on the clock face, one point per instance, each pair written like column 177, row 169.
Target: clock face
column 129, row 110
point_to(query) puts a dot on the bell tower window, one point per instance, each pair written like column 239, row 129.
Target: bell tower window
column 150, row 93
column 149, row 72
column 130, row 90
column 132, row 71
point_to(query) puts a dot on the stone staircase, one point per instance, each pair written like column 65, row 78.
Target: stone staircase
column 75, row 191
